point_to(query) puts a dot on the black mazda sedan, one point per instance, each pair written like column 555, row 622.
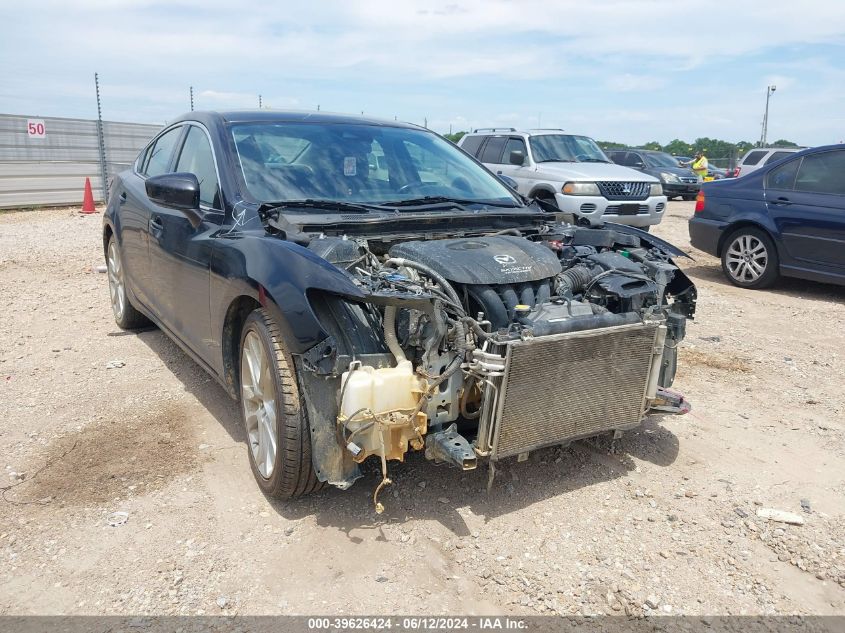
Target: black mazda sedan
column 365, row 288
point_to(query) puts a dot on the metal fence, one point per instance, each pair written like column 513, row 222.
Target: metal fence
column 45, row 160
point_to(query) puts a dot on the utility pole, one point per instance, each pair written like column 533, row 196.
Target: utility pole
column 259, row 102
column 192, row 98
column 769, row 92
column 318, row 107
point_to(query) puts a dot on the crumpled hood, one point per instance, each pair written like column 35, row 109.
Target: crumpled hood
column 590, row 172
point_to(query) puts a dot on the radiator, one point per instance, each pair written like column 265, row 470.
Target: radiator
column 567, row 386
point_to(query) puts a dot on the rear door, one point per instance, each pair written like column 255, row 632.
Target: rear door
column 180, row 254
column 806, row 199
column 135, row 215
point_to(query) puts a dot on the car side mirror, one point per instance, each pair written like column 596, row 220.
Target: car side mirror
column 510, row 182
column 517, row 157
column 639, row 165
column 180, row 191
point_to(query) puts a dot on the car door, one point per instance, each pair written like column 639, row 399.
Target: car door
column 806, row 200
column 180, row 253
column 520, row 173
column 135, row 214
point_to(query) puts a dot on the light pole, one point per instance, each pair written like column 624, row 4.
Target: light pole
column 769, row 91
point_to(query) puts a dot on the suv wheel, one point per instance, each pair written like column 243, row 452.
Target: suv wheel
column 749, row 258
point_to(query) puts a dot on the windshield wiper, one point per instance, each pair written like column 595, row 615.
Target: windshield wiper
column 445, row 200
column 325, row 205
column 555, row 160
column 594, row 160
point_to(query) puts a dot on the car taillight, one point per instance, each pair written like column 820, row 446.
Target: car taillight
column 699, row 201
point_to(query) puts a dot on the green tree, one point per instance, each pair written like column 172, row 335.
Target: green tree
column 784, row 143
column 457, row 136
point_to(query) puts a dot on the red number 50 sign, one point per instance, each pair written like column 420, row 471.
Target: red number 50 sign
column 35, row 128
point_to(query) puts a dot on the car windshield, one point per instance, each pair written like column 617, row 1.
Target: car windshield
column 661, row 160
column 359, row 163
column 566, row 148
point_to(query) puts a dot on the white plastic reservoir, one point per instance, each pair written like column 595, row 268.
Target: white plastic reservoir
column 380, row 390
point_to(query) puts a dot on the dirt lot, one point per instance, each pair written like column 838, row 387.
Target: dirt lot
column 668, row 525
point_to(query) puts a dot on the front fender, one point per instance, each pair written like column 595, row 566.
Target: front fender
column 277, row 274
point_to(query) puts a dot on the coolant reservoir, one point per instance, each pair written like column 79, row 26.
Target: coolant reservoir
column 380, row 390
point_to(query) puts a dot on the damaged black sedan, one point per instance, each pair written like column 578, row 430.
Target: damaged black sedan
column 366, row 289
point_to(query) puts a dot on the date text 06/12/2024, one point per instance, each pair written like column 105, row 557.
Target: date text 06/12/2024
column 417, row 623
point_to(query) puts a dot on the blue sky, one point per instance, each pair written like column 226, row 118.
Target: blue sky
column 625, row 70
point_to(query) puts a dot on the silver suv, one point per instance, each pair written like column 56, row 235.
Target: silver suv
column 570, row 171
column 756, row 158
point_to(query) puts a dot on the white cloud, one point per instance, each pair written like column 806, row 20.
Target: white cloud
column 476, row 62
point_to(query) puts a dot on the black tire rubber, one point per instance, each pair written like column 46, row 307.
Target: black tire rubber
column 689, row 198
column 131, row 319
column 293, row 472
column 770, row 274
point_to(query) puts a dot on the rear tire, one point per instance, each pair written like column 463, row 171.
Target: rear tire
column 750, row 259
column 688, row 198
column 273, row 412
column 125, row 314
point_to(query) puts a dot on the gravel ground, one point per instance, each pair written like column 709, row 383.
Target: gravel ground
column 668, row 525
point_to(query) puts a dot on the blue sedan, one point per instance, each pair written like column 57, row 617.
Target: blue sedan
column 787, row 218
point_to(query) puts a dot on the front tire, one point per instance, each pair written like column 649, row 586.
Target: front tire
column 125, row 314
column 274, row 416
column 749, row 258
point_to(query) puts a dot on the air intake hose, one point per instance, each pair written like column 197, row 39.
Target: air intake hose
column 574, row 279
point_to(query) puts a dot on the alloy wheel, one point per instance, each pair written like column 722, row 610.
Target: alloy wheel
column 258, row 394
column 746, row 258
column 117, row 287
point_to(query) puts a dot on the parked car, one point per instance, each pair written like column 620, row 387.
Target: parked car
column 716, row 173
column 785, row 219
column 677, row 181
column 571, row 172
column 364, row 288
column 756, row 158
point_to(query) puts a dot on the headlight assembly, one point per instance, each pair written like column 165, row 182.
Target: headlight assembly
column 656, row 189
column 581, row 189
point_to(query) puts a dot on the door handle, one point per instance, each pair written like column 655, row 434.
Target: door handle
column 781, row 202
column 156, row 225
column 122, row 197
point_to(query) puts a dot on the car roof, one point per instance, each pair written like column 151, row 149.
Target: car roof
column 776, row 149
column 504, row 131
column 287, row 116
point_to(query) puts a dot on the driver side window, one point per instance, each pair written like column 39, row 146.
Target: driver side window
column 196, row 158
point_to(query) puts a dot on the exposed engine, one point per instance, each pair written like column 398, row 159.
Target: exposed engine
column 496, row 345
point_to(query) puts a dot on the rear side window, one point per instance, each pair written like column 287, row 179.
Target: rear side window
column 158, row 157
column 776, row 156
column 471, row 144
column 754, row 157
column 493, row 150
column 822, row 173
column 196, row 158
column 783, row 177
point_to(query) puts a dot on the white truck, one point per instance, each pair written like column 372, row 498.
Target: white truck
column 570, row 171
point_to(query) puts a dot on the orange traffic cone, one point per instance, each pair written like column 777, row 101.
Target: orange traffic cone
column 88, row 198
